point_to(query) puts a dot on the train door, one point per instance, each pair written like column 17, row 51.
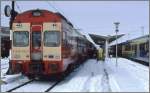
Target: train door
column 36, row 43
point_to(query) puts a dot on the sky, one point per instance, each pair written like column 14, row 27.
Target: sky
column 94, row 17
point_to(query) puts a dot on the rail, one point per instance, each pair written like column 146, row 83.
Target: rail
column 10, row 90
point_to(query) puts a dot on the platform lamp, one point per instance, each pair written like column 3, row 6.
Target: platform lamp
column 116, row 25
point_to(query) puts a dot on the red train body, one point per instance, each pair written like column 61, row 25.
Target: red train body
column 45, row 43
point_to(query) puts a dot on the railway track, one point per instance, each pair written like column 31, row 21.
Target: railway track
column 44, row 87
column 57, row 82
column 49, row 87
column 139, row 61
column 10, row 90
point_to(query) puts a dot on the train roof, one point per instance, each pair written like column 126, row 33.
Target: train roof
column 28, row 12
column 59, row 14
column 145, row 36
column 140, row 39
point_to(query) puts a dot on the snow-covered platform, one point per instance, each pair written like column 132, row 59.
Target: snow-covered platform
column 101, row 76
column 96, row 76
column 128, row 76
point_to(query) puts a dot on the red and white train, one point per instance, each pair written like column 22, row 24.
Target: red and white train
column 45, row 43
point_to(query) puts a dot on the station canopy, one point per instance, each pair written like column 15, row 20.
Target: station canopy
column 100, row 40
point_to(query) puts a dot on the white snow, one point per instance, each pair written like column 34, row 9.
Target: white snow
column 10, row 81
column 130, row 76
column 92, row 76
column 35, row 86
column 84, row 79
column 105, row 77
column 4, row 66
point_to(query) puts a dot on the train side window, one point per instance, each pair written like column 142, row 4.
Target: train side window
column 51, row 38
column 64, row 38
column 20, row 38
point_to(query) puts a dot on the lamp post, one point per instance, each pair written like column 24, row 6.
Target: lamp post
column 107, row 46
column 117, row 25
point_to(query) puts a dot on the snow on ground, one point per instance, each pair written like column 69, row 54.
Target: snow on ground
column 92, row 76
column 87, row 78
column 16, row 80
column 35, row 86
column 128, row 76
column 10, row 81
column 4, row 66
column 4, row 61
column 105, row 77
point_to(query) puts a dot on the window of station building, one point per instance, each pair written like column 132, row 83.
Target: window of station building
column 20, row 38
column 147, row 46
column 142, row 46
column 128, row 47
column 51, row 38
column 134, row 47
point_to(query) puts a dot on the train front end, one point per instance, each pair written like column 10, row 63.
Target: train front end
column 36, row 44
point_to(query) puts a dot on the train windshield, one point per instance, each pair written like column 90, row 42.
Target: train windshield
column 20, row 38
column 52, row 38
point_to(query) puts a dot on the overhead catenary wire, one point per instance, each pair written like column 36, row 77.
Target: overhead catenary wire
column 18, row 7
column 52, row 6
column 59, row 11
column 64, row 14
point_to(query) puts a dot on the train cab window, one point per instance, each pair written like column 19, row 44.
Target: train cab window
column 36, row 39
column 51, row 38
column 20, row 38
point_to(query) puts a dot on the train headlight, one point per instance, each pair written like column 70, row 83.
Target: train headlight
column 51, row 56
column 57, row 57
column 27, row 56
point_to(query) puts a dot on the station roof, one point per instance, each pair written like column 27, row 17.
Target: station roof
column 100, row 40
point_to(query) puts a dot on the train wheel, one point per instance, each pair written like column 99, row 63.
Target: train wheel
column 30, row 77
column 58, row 77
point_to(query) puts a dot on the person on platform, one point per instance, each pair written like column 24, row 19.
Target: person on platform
column 100, row 54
